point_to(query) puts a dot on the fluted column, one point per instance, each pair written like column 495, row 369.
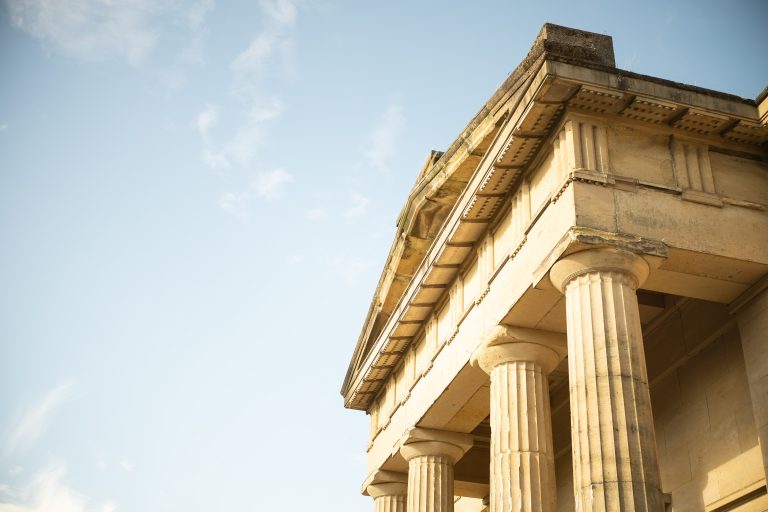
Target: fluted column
column 615, row 466
column 388, row 497
column 522, row 473
column 430, row 468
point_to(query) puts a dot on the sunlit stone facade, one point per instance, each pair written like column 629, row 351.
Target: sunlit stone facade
column 574, row 315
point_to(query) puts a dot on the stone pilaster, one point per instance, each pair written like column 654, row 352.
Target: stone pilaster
column 615, row 466
column 431, row 457
column 388, row 497
column 522, row 473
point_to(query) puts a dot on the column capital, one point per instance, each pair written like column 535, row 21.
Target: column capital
column 380, row 478
column 387, row 489
column 505, row 344
column 431, row 455
column 598, row 260
column 419, row 442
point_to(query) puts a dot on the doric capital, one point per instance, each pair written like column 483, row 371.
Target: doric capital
column 381, row 482
column 422, row 441
column 387, row 489
column 598, row 260
column 505, row 344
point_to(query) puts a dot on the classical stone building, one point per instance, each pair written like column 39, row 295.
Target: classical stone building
column 573, row 314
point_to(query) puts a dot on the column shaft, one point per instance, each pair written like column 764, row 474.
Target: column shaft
column 522, row 461
column 388, row 496
column 613, row 441
column 430, row 484
column 389, row 504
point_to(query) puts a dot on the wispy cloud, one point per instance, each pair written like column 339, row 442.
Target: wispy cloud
column 236, row 204
column 215, row 160
column 253, row 57
column 207, row 119
column 248, row 138
column 34, row 421
column 382, row 143
column 269, row 51
column 350, row 267
column 101, row 460
column 282, row 12
column 127, row 466
column 10, row 507
column 319, row 214
column 630, row 62
column 268, row 186
column 359, row 205
column 47, row 492
column 3, row 127
column 253, row 72
column 97, row 30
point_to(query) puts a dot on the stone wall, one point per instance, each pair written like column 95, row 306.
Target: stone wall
column 707, row 444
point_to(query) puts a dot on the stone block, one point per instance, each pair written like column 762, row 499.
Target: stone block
column 675, row 469
column 690, row 422
column 739, row 471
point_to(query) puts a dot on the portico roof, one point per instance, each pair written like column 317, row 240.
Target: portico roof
column 459, row 192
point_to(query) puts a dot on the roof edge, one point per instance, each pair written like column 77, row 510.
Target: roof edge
column 578, row 46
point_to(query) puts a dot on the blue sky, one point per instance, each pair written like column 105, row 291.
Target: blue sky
column 196, row 200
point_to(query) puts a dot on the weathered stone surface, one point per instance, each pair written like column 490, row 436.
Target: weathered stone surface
column 430, row 476
column 522, row 473
column 753, row 325
column 614, row 447
column 388, row 497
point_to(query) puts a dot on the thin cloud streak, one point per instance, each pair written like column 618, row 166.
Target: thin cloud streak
column 268, row 186
column 95, row 30
column 382, row 143
column 248, row 138
column 34, row 422
column 350, row 267
column 319, row 214
column 47, row 492
column 359, row 205
column 268, row 50
column 236, row 204
column 207, row 119
column 252, row 58
column 282, row 12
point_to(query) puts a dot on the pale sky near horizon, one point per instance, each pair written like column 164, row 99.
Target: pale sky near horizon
column 196, row 200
